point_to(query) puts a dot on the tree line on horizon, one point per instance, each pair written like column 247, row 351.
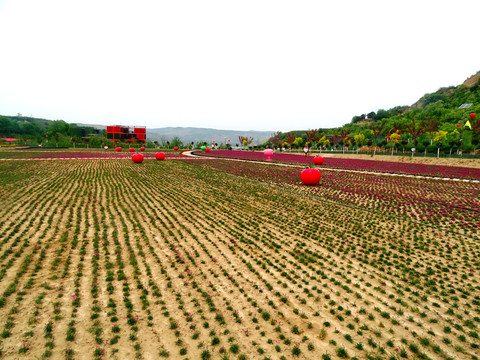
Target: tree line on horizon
column 35, row 131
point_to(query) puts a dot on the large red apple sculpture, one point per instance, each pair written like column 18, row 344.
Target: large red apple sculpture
column 472, row 116
column 175, row 148
column 119, row 149
column 131, row 150
column 207, row 149
column 142, row 148
column 137, row 158
column 160, row 156
column 310, row 176
column 318, row 160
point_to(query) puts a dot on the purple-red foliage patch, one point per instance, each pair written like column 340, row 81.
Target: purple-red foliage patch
column 356, row 164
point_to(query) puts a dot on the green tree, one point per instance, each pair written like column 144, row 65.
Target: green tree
column 58, row 127
column 176, row 142
column 395, row 138
column 323, row 141
column 453, row 139
column 359, row 140
column 94, row 141
column 440, row 137
column 358, row 118
column 6, row 126
column 298, row 142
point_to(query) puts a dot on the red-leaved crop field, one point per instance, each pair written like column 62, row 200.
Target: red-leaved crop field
column 208, row 258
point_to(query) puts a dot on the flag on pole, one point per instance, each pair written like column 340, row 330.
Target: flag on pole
column 468, row 124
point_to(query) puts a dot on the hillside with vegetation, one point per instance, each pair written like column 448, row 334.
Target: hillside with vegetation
column 32, row 131
column 433, row 122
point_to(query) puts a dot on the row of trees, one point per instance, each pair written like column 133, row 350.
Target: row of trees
column 33, row 131
column 422, row 135
column 38, row 131
column 429, row 134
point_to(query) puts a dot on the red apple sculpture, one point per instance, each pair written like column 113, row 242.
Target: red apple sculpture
column 310, row 176
column 160, row 156
column 137, row 158
column 318, row 160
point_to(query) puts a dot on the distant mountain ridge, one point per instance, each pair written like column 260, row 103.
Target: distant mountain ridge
column 95, row 126
column 189, row 134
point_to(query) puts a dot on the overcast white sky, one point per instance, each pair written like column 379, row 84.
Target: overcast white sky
column 260, row 65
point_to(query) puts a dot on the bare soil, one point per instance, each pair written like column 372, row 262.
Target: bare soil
column 173, row 259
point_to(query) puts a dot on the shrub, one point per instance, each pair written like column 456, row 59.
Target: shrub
column 296, row 351
column 413, row 348
column 234, row 348
column 425, row 341
column 342, row 353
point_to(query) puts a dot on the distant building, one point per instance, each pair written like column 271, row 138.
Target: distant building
column 123, row 133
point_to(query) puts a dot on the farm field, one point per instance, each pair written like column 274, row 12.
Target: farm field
column 211, row 259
